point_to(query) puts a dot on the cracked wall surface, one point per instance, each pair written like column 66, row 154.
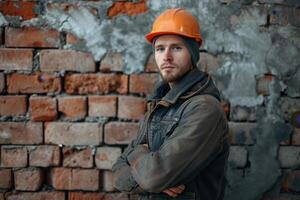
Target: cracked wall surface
column 251, row 49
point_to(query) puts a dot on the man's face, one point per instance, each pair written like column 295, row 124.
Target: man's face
column 172, row 58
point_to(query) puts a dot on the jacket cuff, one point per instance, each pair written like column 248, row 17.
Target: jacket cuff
column 137, row 152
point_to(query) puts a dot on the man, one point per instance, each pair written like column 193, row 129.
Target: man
column 181, row 149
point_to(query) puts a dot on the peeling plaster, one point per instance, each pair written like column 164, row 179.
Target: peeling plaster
column 3, row 21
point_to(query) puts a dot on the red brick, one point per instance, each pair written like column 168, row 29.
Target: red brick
column 264, row 84
column 209, row 63
column 2, row 82
column 112, row 62
column 75, row 179
column 296, row 137
column 73, row 157
column 143, row 83
column 44, row 156
column 36, row 83
column 6, row 178
column 28, row 179
column 291, row 181
column 73, row 133
column 16, row 59
column 86, row 196
column 129, row 8
column 73, row 107
column 125, row 105
column 120, row 132
column 106, row 156
column 72, row 39
column 96, row 83
column 13, row 105
column 43, row 108
column 66, row 60
column 151, row 64
column 104, row 106
column 36, row 196
column 21, row 133
column 31, row 37
column 25, row 9
column 13, row 156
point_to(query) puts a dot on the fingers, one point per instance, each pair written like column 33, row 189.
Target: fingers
column 145, row 145
column 175, row 191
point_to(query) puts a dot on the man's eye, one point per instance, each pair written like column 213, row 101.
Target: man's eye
column 177, row 48
column 158, row 49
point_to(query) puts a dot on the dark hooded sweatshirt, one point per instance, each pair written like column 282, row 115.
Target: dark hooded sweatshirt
column 186, row 132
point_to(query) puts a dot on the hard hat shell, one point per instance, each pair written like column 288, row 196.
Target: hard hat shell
column 175, row 21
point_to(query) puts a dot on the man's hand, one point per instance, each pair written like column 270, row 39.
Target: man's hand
column 145, row 145
column 175, row 191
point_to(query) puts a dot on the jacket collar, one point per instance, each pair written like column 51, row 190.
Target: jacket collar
column 165, row 93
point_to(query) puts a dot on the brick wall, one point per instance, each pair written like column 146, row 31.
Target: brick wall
column 66, row 116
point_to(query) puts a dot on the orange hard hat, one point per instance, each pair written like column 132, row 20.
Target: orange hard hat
column 175, row 21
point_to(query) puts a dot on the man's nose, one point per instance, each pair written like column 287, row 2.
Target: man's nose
column 168, row 55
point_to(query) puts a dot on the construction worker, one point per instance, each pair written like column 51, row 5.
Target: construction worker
column 181, row 149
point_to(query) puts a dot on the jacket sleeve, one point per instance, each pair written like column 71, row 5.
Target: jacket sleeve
column 123, row 179
column 190, row 148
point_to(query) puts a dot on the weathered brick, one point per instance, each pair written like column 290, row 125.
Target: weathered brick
column 112, row 62
column 296, row 137
column 16, row 59
column 24, row 9
column 13, row 105
column 13, row 156
column 66, row 60
column 69, row 7
column 43, row 108
column 2, row 82
column 209, row 63
column 143, row 83
column 282, row 2
column 106, row 156
column 72, row 39
column 129, row 8
column 238, row 156
column 120, row 132
column 75, row 179
column 264, row 84
column 125, row 105
column 6, row 178
column 44, row 156
column 73, row 133
column 243, row 113
column 73, row 157
column 86, row 196
column 73, row 107
column 285, row 16
column 291, row 181
column 96, row 83
column 31, row 37
column 288, row 106
column 21, row 133
column 289, row 156
column 28, row 179
column 35, row 83
column 105, row 106
column 240, row 133
column 36, row 196
column 108, row 181
column 151, row 64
